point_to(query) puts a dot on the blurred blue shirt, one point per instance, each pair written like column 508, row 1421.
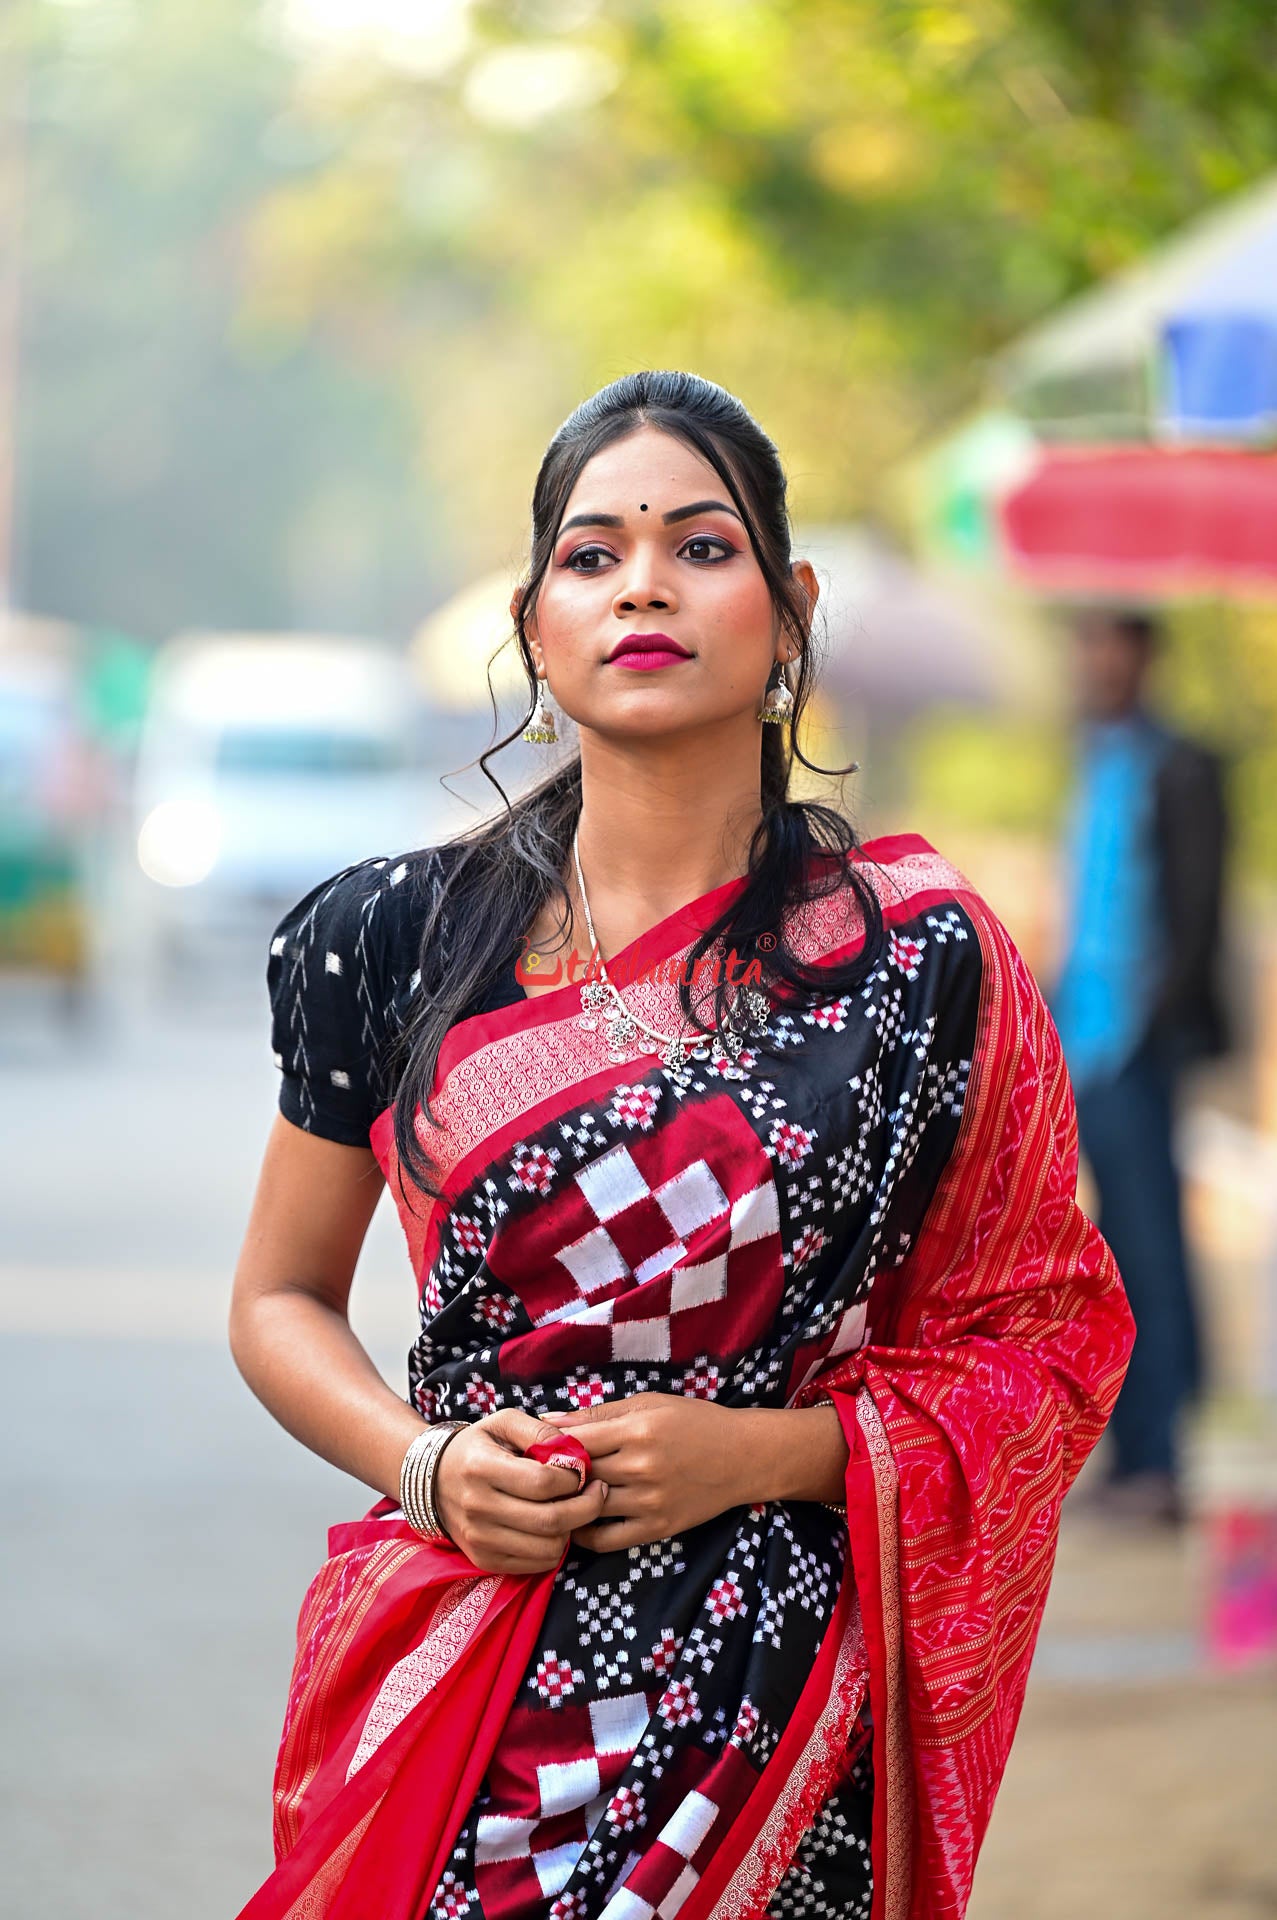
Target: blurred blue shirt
column 1103, row 997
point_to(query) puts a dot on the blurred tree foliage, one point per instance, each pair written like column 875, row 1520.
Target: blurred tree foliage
column 171, row 470
column 301, row 320
column 835, row 207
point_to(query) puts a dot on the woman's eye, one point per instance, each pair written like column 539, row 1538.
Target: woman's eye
column 702, row 540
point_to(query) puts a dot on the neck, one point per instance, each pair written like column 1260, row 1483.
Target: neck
column 661, row 825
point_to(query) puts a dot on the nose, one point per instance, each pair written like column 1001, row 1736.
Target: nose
column 644, row 586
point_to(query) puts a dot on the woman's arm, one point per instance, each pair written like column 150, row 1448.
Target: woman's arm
column 292, row 1342
column 288, row 1327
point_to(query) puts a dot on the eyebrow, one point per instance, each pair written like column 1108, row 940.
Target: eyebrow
column 675, row 513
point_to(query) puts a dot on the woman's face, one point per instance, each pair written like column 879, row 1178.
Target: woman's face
column 630, row 559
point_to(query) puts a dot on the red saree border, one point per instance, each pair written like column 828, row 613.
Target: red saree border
column 874, row 1524
column 457, row 1615
column 351, row 1591
column 902, row 856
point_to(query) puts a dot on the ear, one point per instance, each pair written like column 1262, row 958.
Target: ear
column 530, row 629
column 805, row 574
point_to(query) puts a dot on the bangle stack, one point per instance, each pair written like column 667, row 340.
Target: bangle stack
column 833, row 1506
column 417, row 1479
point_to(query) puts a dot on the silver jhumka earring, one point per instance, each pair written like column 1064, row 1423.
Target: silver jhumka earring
column 540, row 729
column 779, row 703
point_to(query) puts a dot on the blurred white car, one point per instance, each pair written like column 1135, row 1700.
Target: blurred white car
column 267, row 762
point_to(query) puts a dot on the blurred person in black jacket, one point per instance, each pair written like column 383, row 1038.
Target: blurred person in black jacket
column 1137, row 1001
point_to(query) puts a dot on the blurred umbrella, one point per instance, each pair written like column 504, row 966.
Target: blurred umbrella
column 1183, row 345
column 1146, row 519
column 451, row 649
column 898, row 643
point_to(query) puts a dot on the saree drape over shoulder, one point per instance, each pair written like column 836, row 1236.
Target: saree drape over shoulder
column 883, row 1214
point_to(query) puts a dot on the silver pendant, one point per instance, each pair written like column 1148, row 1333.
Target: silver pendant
column 622, row 1029
column 594, row 997
column 757, row 1006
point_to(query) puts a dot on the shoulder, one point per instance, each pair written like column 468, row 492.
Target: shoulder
column 934, row 906
column 914, row 880
column 980, row 979
column 343, row 967
column 364, row 916
column 1185, row 760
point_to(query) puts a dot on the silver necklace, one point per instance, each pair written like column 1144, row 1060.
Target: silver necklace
column 622, row 1026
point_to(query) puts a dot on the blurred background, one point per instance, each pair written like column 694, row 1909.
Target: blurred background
column 292, row 296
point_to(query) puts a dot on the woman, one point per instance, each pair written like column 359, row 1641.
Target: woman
column 764, row 1222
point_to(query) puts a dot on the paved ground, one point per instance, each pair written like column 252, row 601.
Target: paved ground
column 163, row 1528
column 1140, row 1786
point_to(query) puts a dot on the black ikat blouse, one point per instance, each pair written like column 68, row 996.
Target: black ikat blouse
column 343, row 970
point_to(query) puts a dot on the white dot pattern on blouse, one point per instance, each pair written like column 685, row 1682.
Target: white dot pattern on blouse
column 341, row 972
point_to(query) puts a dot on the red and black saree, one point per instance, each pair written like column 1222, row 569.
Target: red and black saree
column 785, row 1710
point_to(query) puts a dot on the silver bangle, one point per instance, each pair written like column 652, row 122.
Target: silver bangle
column 831, row 1504
column 409, row 1498
column 432, row 1469
column 417, row 1475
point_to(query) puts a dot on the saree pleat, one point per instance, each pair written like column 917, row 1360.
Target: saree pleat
column 996, row 1356
column 882, row 1215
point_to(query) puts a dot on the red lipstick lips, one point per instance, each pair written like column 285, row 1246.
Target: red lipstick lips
column 645, row 650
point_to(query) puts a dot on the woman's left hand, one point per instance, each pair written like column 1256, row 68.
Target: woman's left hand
column 670, row 1462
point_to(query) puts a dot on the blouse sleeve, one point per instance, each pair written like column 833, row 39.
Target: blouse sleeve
column 326, row 978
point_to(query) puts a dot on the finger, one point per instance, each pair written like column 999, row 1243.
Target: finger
column 586, row 1416
column 604, row 1438
column 519, row 1429
column 607, row 1536
column 530, row 1479
column 540, row 1519
column 499, row 1550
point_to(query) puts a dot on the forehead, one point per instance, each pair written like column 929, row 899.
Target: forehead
column 647, row 465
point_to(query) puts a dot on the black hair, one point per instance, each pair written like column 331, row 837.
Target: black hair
column 1139, row 625
column 499, row 876
column 1142, row 626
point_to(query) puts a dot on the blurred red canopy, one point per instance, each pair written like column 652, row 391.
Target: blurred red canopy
column 1146, row 519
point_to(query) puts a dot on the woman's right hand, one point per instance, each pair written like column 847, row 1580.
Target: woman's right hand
column 509, row 1514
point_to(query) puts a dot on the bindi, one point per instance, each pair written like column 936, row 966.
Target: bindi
column 642, row 506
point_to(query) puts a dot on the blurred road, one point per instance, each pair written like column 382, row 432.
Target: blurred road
column 169, row 1528
column 168, row 1525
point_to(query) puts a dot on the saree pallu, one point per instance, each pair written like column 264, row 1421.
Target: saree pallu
column 881, row 1214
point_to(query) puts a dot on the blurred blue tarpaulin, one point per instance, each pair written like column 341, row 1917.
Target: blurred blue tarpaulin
column 1183, row 345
